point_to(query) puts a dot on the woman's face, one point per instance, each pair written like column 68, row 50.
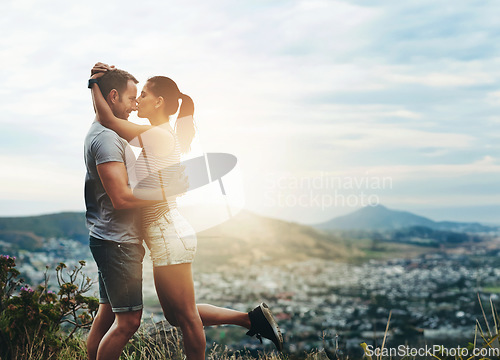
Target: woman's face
column 146, row 103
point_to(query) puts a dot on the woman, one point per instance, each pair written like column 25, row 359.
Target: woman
column 171, row 240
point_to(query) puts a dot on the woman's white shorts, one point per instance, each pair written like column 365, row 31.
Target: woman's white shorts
column 171, row 240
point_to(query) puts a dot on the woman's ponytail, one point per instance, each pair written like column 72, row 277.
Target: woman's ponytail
column 184, row 126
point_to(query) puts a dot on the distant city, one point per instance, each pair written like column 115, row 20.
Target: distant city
column 431, row 286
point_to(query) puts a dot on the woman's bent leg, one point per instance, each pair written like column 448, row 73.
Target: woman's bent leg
column 214, row 315
column 175, row 288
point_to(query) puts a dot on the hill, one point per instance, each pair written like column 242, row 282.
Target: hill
column 381, row 218
column 21, row 239
column 69, row 225
column 245, row 239
column 250, row 239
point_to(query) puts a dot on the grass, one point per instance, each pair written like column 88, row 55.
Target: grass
column 161, row 343
column 492, row 289
column 158, row 342
column 166, row 343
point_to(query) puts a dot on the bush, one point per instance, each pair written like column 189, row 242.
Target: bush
column 34, row 314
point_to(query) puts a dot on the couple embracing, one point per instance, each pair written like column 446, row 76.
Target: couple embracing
column 129, row 199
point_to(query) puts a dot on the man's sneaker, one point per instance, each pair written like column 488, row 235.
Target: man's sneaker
column 264, row 325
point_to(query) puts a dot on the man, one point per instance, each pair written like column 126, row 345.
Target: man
column 113, row 224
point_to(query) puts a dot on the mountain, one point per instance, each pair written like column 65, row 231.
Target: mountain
column 250, row 239
column 69, row 225
column 381, row 218
column 245, row 239
column 22, row 239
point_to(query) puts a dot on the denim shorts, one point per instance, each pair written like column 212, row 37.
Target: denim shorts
column 171, row 240
column 120, row 273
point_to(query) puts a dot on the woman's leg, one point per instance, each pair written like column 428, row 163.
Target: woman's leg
column 210, row 314
column 214, row 315
column 175, row 288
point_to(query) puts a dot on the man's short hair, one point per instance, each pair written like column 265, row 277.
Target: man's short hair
column 115, row 79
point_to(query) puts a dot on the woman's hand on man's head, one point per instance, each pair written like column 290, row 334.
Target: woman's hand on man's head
column 100, row 69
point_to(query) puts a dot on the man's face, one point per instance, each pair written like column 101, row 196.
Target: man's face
column 126, row 103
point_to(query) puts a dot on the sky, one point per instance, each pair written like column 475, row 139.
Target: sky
column 327, row 105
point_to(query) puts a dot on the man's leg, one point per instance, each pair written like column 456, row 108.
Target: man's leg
column 102, row 322
column 124, row 326
column 120, row 284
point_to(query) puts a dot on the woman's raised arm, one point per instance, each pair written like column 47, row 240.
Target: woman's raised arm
column 105, row 116
column 153, row 138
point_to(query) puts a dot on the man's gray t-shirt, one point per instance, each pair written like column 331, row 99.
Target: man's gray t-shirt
column 103, row 220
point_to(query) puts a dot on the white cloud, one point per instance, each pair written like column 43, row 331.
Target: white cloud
column 493, row 98
column 450, row 78
column 486, row 165
column 36, row 178
column 290, row 82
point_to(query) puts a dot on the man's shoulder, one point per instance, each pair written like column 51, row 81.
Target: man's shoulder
column 97, row 130
column 100, row 139
column 98, row 133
